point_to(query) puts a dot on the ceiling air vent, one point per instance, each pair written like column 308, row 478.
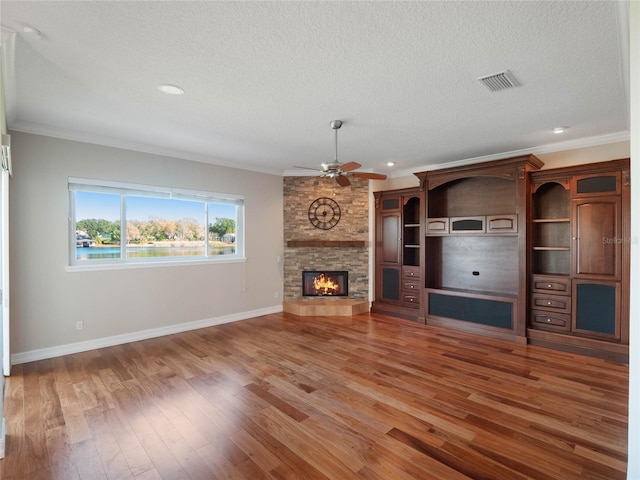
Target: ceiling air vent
column 499, row 81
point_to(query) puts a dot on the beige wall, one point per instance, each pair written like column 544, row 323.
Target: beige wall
column 3, row 118
column 579, row 156
column 47, row 300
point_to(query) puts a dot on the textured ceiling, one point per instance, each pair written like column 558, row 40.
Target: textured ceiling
column 264, row 79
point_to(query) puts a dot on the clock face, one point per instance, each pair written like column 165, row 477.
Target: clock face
column 324, row 213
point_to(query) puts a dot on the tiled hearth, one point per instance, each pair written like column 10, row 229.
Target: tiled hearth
column 344, row 247
column 325, row 306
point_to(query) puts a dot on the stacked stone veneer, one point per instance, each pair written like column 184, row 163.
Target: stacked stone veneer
column 299, row 193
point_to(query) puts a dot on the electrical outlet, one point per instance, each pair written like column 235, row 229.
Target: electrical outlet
column 79, row 325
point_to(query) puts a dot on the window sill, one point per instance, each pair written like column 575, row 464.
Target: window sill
column 151, row 264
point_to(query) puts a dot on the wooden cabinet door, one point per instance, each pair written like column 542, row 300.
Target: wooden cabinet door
column 597, row 237
column 391, row 284
column 390, row 236
column 596, row 309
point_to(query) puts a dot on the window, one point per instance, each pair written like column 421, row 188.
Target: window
column 116, row 223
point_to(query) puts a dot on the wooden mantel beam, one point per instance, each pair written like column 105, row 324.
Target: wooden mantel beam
column 327, row 243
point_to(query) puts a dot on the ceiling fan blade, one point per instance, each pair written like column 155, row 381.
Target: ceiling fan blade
column 347, row 167
column 370, row 176
column 343, row 181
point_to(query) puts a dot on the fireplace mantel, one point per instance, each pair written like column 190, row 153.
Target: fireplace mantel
column 327, row 243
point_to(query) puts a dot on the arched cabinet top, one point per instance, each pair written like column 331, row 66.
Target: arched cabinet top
column 563, row 182
column 512, row 169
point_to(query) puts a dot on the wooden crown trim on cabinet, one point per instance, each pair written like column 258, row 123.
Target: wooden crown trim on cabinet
column 564, row 175
column 585, row 168
column 495, row 168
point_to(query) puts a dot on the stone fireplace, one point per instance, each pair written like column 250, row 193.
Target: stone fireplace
column 344, row 247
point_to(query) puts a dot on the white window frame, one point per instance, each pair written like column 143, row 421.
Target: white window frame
column 76, row 184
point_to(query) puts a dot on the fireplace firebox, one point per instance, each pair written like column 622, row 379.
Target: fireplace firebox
column 323, row 283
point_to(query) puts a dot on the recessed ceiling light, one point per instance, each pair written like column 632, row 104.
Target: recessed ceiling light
column 171, row 89
column 560, row 129
column 390, row 164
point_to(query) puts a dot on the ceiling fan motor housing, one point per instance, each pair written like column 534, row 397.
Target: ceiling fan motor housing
column 341, row 171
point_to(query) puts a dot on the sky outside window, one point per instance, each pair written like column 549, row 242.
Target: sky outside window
column 101, row 206
column 107, row 206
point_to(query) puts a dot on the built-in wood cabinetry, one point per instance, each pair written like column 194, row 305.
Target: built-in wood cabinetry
column 475, row 264
column 579, row 289
column 507, row 250
column 399, row 233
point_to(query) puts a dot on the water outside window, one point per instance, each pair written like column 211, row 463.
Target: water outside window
column 155, row 227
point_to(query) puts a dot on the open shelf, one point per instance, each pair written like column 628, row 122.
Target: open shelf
column 480, row 263
column 551, row 230
column 411, row 232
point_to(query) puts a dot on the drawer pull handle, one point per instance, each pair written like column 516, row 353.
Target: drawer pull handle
column 548, row 319
column 548, row 303
column 549, row 285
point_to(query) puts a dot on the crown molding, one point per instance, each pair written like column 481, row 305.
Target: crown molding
column 95, row 139
column 540, row 150
column 38, row 129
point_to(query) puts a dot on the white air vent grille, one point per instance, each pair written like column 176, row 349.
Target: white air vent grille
column 499, row 81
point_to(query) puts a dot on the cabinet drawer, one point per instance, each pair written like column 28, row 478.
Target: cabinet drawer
column 551, row 321
column 437, row 225
column 411, row 298
column 408, row 286
column 502, row 223
column 553, row 285
column 554, row 303
column 411, row 273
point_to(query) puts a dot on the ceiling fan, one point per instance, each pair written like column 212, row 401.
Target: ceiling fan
column 342, row 172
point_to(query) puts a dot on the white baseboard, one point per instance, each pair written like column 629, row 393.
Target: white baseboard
column 51, row 352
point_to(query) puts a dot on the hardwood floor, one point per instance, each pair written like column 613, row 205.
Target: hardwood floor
column 285, row 397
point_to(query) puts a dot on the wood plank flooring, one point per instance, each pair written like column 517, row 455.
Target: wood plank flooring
column 315, row 398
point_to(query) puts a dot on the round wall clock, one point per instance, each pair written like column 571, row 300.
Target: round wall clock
column 324, row 213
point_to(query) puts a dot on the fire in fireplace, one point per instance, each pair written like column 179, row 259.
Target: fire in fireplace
column 325, row 283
